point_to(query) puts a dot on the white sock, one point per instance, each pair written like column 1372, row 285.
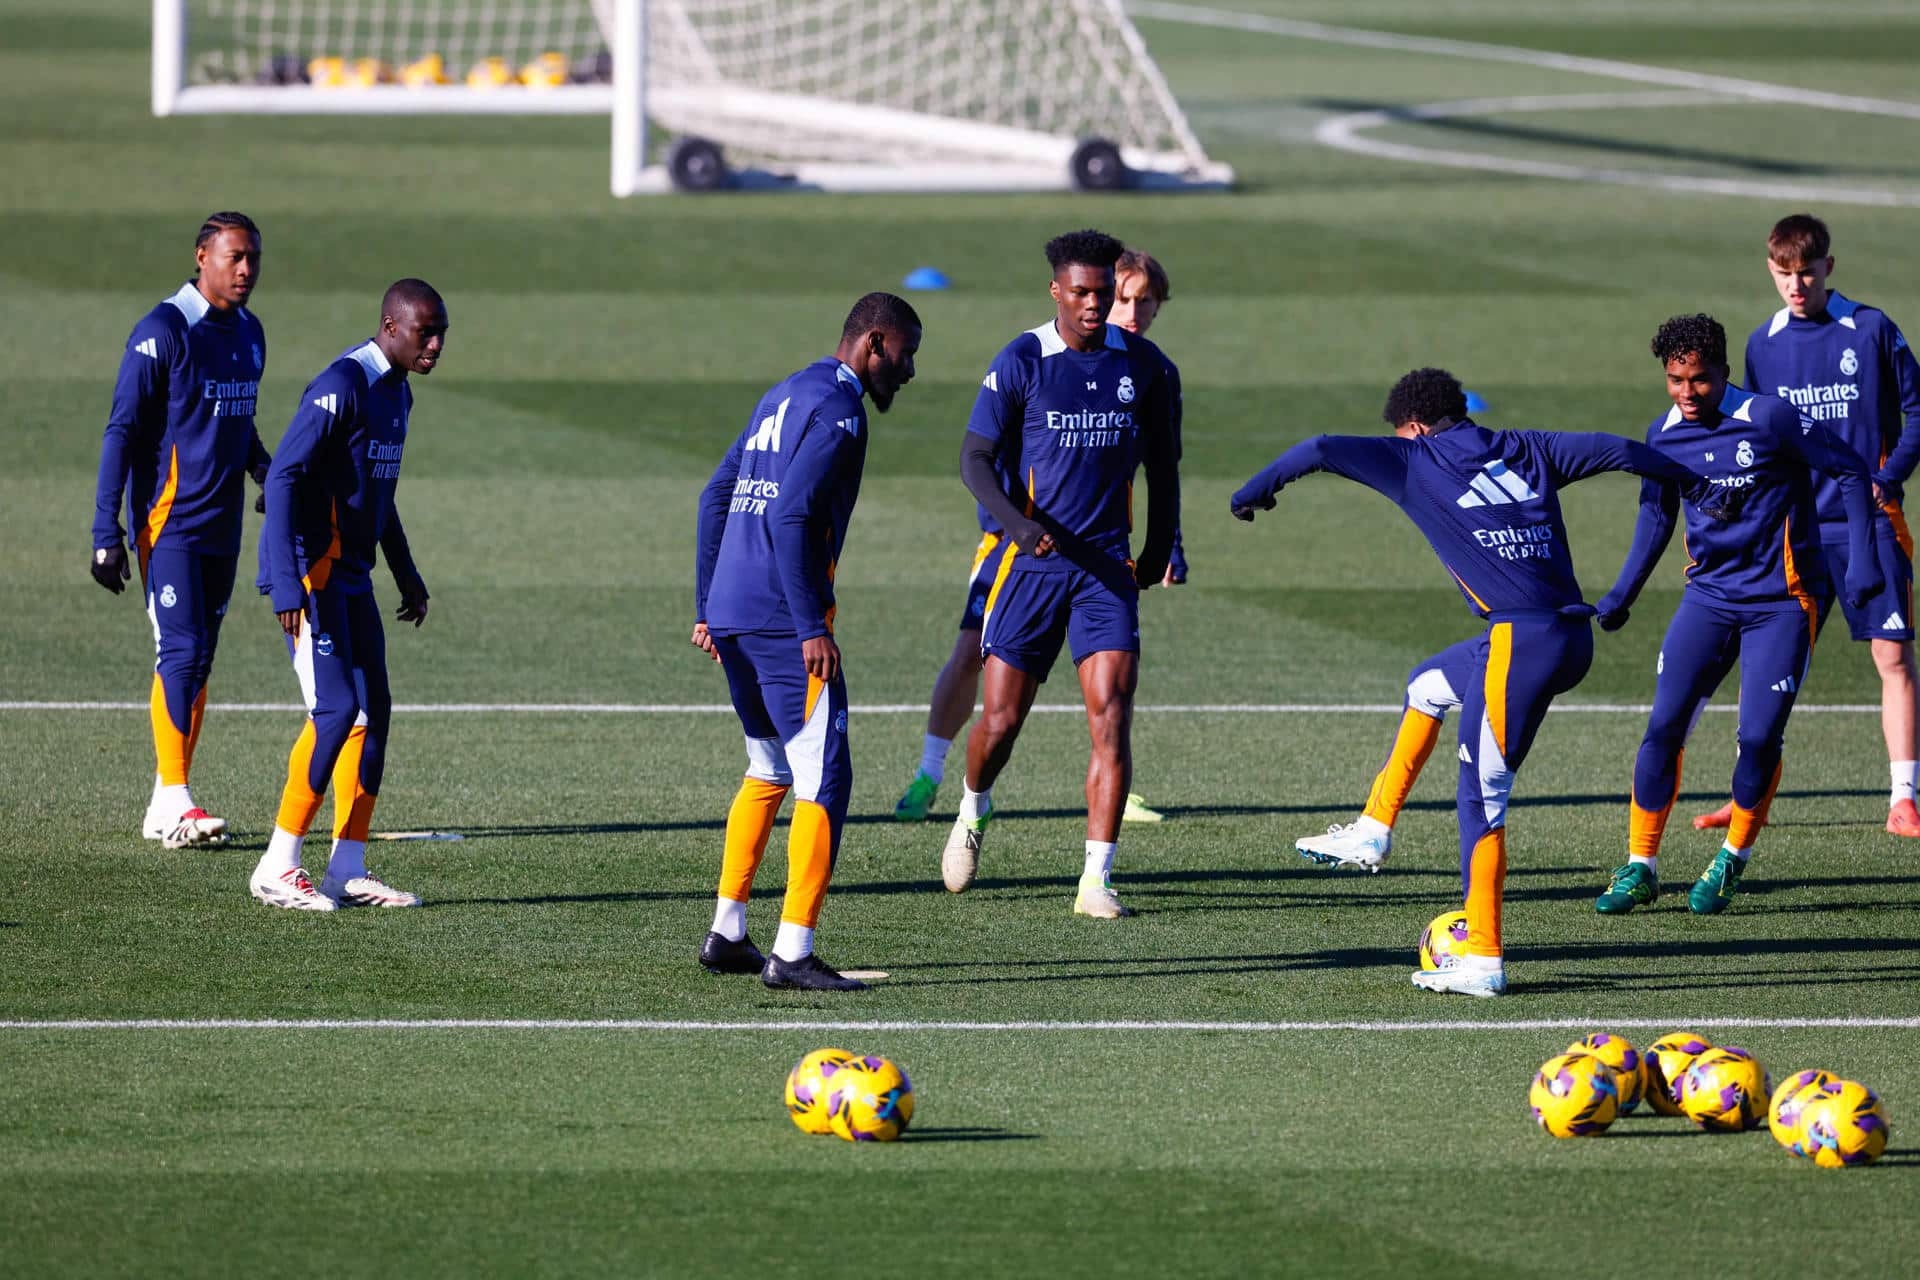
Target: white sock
column 1902, row 772
column 154, row 802
column 1482, row 964
column 172, row 801
column 730, row 919
column 349, row 860
column 975, row 805
column 1651, row 863
column 282, row 855
column 1370, row 826
column 933, row 757
column 1741, row 854
column 1099, row 860
column 793, row 942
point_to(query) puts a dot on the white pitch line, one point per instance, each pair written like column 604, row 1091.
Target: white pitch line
column 908, row 1025
column 906, row 708
column 1607, row 68
column 1346, row 133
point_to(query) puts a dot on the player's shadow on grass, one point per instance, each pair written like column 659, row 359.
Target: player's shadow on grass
column 1635, row 1131
column 964, row 1133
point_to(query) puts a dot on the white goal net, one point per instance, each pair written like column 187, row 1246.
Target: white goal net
column 950, row 94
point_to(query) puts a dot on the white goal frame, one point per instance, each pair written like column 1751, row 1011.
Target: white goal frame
column 1024, row 160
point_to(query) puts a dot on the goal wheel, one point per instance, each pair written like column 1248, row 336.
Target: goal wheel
column 1097, row 166
column 696, row 164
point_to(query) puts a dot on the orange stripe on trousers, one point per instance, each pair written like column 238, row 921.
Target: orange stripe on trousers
column 749, row 823
column 299, row 802
column 1411, row 747
column 170, row 750
column 1486, row 883
column 1647, row 827
column 352, row 803
column 809, row 864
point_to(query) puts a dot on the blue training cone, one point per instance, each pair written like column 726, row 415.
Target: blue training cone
column 1475, row 404
column 926, row 278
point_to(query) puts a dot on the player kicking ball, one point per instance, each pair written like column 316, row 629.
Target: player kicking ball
column 773, row 520
column 1067, row 411
column 330, row 504
column 1848, row 367
column 178, row 440
column 1756, row 589
column 1489, row 504
column 1141, row 288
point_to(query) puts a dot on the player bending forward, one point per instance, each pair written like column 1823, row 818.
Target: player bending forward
column 178, row 440
column 1141, row 287
column 772, row 522
column 1067, row 410
column 1847, row 366
column 329, row 505
column 1756, row 588
column 1489, row 503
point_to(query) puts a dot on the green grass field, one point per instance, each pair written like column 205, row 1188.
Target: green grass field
column 602, row 355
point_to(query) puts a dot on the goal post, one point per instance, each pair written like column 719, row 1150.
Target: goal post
column 948, row 95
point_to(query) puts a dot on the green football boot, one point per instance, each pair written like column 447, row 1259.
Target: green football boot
column 1717, row 884
column 917, row 801
column 1633, row 885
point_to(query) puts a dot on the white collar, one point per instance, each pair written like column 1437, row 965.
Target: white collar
column 372, row 359
column 1052, row 344
column 845, row 373
column 191, row 303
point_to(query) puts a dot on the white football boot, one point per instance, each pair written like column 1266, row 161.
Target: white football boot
column 1348, row 846
column 1096, row 898
column 194, row 829
column 365, row 891
column 960, row 860
column 1483, row 984
column 291, row 890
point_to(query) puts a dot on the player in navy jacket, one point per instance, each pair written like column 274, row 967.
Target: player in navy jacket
column 1488, row 503
column 179, row 439
column 330, row 504
column 772, row 521
column 1068, row 411
column 1848, row 367
column 1757, row 587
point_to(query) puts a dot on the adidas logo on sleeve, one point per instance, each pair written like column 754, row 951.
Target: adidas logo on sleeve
column 330, row 402
column 150, row 348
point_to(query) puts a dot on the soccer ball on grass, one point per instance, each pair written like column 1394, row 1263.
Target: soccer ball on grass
column 1623, row 1060
column 1789, row 1100
column 808, row 1085
column 1665, row 1061
column 1725, row 1091
column 1842, row 1124
column 1574, row 1096
column 1444, row 941
column 870, row 1100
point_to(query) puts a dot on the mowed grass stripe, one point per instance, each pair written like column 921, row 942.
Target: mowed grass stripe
column 897, row 708
column 909, row 1024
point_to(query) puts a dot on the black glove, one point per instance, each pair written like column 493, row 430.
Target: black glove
column 1245, row 510
column 1863, row 584
column 259, row 474
column 109, row 567
column 1611, row 617
column 1890, row 489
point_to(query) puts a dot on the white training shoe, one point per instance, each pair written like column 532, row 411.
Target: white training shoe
column 1096, row 898
column 1347, row 846
column 290, row 889
column 960, row 860
column 365, row 891
column 1481, row 983
column 196, row 828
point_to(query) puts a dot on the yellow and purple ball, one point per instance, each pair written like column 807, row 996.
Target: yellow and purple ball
column 1629, row 1070
column 870, row 1100
column 1725, row 1091
column 808, row 1085
column 1666, row 1061
column 1789, row 1100
column 1444, row 941
column 1574, row 1096
column 1842, row 1125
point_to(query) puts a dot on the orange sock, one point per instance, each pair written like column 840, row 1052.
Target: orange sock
column 171, row 749
column 1647, row 827
column 1486, row 887
column 1746, row 824
column 1411, row 747
column 749, row 823
column 809, row 864
column 193, row 725
column 352, row 803
column 298, row 801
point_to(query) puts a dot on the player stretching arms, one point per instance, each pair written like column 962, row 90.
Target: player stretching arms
column 1847, row 366
column 177, row 442
column 1755, row 590
column 1068, row 410
column 329, row 504
column 1489, row 503
column 1141, row 287
column 773, row 520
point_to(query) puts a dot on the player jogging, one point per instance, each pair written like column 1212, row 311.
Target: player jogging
column 1848, row 367
column 1756, row 587
column 1141, row 287
column 329, row 505
column 179, row 438
column 1489, row 503
column 772, row 522
column 1067, row 412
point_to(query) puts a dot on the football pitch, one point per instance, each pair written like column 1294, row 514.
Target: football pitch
column 531, row 1075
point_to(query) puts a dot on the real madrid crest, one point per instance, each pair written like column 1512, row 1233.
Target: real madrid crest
column 1849, row 362
column 1126, row 390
